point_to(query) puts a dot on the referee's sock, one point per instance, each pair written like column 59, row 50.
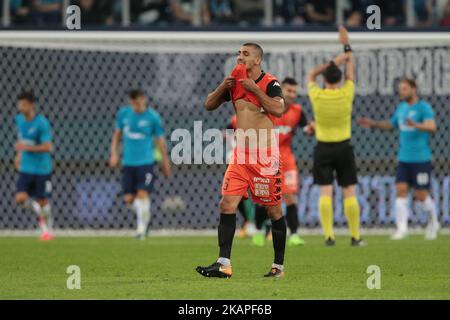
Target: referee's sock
column 226, row 230
column 326, row 216
column 352, row 212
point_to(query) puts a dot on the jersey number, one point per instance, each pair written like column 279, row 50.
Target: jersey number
column 422, row 178
column 148, row 178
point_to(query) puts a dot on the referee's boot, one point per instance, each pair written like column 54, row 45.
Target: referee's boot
column 357, row 242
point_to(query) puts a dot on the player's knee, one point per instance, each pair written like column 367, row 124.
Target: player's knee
column 420, row 195
column 349, row 191
column 227, row 206
column 142, row 194
column 326, row 191
column 290, row 199
column 21, row 198
column 129, row 199
column 402, row 191
column 42, row 202
column 274, row 212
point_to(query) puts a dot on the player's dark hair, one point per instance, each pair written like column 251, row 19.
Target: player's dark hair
column 135, row 93
column 28, row 96
column 332, row 73
column 258, row 48
column 410, row 81
column 289, row 81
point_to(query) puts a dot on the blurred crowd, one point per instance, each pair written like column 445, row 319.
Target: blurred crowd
column 229, row 12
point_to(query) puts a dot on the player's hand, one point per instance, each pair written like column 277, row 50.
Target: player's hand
column 366, row 123
column 310, row 129
column 343, row 35
column 411, row 123
column 113, row 160
column 228, row 82
column 21, row 147
column 249, row 85
column 340, row 59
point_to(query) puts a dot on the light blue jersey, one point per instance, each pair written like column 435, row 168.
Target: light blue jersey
column 414, row 144
column 138, row 131
column 34, row 132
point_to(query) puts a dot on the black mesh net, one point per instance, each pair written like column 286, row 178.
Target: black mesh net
column 81, row 90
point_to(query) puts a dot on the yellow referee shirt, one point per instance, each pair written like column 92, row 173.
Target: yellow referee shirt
column 332, row 111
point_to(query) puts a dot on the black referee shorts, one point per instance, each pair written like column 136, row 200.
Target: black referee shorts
column 330, row 157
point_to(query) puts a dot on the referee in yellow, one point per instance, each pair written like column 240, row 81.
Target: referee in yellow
column 332, row 107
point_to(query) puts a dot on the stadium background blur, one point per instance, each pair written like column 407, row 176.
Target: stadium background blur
column 81, row 89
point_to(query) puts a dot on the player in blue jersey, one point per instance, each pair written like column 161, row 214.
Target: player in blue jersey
column 415, row 120
column 139, row 127
column 33, row 162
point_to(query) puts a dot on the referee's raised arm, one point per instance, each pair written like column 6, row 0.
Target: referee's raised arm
column 348, row 53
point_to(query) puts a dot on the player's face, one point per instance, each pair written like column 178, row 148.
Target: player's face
column 248, row 56
column 289, row 93
column 139, row 104
column 405, row 91
column 24, row 106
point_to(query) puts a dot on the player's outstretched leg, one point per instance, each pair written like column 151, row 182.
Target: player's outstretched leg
column 279, row 240
column 227, row 227
column 142, row 207
column 427, row 205
column 43, row 210
column 401, row 211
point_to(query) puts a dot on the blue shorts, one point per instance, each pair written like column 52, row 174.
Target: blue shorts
column 416, row 175
column 37, row 186
column 136, row 178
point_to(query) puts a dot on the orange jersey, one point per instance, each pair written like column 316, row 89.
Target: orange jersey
column 268, row 83
column 287, row 124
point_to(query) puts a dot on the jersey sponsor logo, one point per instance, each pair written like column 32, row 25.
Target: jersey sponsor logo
column 422, row 178
column 133, row 135
column 31, row 130
column 261, row 180
column 143, row 123
column 404, row 127
column 276, row 84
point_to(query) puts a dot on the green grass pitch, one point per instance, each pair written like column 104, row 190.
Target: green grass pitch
column 163, row 268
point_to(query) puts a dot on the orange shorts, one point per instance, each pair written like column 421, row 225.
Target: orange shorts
column 262, row 175
column 290, row 174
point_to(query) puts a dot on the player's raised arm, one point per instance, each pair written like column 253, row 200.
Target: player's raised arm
column 165, row 163
column 114, row 157
column 368, row 123
column 217, row 97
